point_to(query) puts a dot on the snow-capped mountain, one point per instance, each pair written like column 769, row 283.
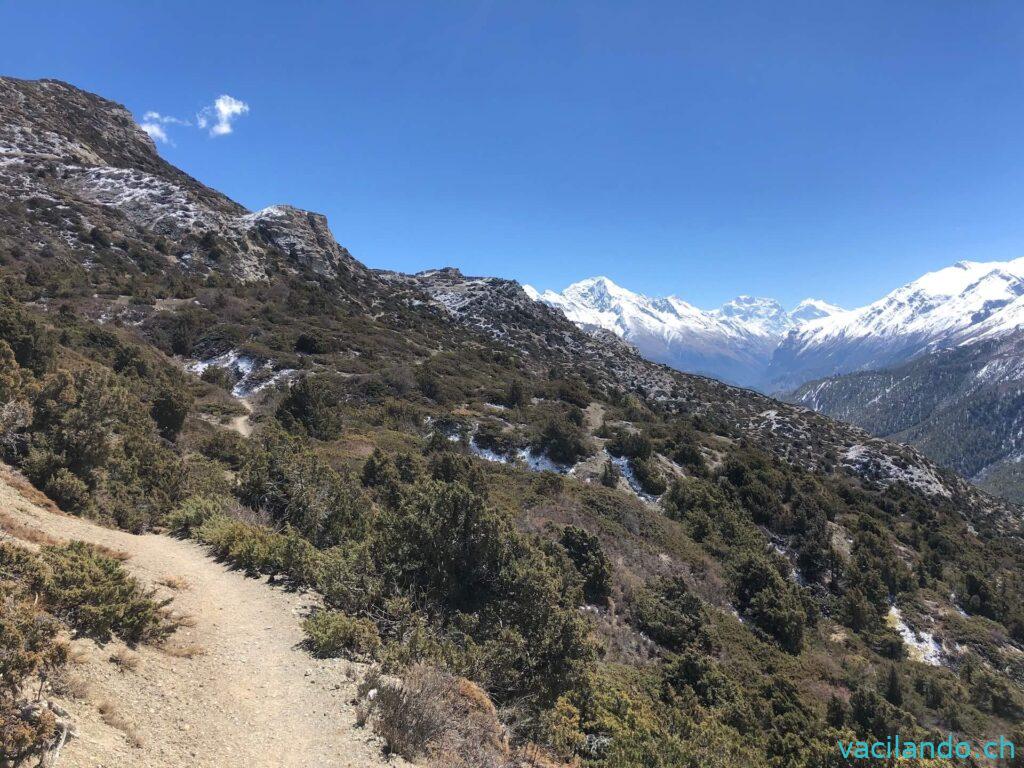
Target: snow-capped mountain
column 734, row 342
column 956, row 305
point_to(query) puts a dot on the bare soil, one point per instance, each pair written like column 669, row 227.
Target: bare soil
column 232, row 688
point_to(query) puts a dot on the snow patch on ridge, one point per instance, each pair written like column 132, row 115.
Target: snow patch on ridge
column 875, row 465
column 922, row 645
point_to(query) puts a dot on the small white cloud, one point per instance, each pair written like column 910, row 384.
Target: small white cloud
column 219, row 116
column 155, row 130
column 156, row 117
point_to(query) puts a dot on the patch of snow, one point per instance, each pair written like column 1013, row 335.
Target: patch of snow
column 922, row 646
column 145, row 199
column 539, row 462
column 876, row 465
column 487, row 454
column 251, row 375
column 626, row 470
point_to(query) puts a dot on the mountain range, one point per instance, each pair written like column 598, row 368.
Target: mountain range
column 961, row 304
column 734, row 343
column 755, row 342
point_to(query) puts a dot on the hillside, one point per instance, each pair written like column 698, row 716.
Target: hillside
column 961, row 407
column 552, row 550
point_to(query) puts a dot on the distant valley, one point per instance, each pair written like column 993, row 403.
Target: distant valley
column 936, row 363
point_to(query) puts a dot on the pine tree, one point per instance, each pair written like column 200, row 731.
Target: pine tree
column 893, row 687
column 609, row 475
column 835, row 713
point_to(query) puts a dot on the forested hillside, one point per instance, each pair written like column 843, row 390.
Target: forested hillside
column 617, row 563
column 961, row 407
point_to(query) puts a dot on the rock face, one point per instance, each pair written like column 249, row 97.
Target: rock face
column 85, row 159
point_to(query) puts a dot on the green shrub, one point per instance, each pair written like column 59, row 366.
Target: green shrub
column 332, row 634
column 702, row 675
column 312, row 406
column 192, row 513
column 770, row 602
column 171, row 405
column 314, row 343
column 633, row 445
column 255, row 548
column 70, row 493
column 649, row 475
column 218, row 377
column 669, row 613
column 89, row 590
column 573, row 391
column 294, row 486
column 562, row 441
column 30, row 652
column 590, row 560
column 610, row 475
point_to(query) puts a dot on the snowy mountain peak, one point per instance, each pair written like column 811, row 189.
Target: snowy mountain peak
column 958, row 304
column 814, row 309
column 733, row 342
column 757, row 315
column 600, row 293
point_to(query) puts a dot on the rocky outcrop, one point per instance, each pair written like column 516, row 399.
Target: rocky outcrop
column 84, row 161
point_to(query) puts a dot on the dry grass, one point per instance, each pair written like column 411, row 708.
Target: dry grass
column 115, row 554
column 20, row 483
column 183, row 650
column 125, row 659
column 177, row 583
column 69, row 685
column 180, row 619
column 78, row 654
column 532, row 756
column 432, row 714
column 113, row 718
column 19, row 530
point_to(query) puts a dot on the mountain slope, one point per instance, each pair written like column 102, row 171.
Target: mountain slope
column 64, row 151
column 969, row 300
column 962, row 407
column 573, row 553
column 734, row 342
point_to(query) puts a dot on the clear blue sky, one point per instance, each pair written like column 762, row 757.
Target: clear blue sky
column 786, row 149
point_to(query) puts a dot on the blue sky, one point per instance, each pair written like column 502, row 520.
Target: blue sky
column 705, row 149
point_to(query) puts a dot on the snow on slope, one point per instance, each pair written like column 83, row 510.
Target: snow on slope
column 734, row 342
column 951, row 306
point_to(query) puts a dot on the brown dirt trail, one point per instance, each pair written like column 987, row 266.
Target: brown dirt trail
column 251, row 697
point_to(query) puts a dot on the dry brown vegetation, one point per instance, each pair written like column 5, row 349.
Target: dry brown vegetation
column 113, row 717
column 183, row 650
column 125, row 659
column 26, row 533
column 177, row 583
column 432, row 714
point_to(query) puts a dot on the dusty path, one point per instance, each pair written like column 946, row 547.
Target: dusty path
column 241, row 424
column 251, row 699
